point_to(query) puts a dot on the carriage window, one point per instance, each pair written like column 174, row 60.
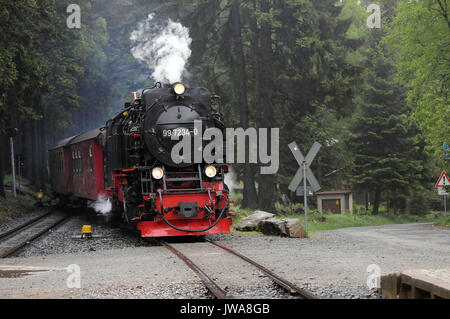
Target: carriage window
column 80, row 163
column 91, row 158
column 75, row 161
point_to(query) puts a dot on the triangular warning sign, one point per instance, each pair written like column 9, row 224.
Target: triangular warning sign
column 443, row 180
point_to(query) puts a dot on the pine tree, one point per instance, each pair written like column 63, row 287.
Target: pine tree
column 383, row 140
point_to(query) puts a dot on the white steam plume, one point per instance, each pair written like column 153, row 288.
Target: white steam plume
column 102, row 205
column 163, row 47
column 230, row 179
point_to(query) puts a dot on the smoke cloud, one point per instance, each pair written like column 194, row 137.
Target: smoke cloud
column 230, row 179
column 164, row 47
column 102, row 205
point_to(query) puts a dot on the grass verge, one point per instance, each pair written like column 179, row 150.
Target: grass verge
column 335, row 221
column 444, row 221
column 12, row 207
column 318, row 221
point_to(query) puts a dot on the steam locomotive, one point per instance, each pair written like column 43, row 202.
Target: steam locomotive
column 129, row 164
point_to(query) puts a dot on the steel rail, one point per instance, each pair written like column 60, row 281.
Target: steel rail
column 26, row 224
column 14, row 249
column 283, row 283
column 218, row 292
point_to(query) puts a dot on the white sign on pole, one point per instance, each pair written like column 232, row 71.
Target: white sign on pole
column 301, row 191
column 442, row 192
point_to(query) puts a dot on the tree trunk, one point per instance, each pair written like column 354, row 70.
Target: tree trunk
column 43, row 154
column 240, row 82
column 28, row 150
column 35, row 160
column 376, row 201
column 267, row 183
column 2, row 166
column 366, row 197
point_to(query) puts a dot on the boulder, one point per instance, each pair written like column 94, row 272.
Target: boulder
column 294, row 228
column 250, row 222
column 282, row 227
column 272, row 227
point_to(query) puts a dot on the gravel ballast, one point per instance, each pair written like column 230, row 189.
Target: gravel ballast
column 24, row 218
column 331, row 264
column 61, row 241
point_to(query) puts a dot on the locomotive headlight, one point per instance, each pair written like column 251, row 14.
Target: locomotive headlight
column 179, row 88
column 210, row 171
column 157, row 173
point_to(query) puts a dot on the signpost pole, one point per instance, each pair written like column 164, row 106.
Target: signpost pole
column 305, row 200
column 13, row 166
column 445, row 205
column 19, row 160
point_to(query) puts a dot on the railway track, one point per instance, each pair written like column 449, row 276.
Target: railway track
column 15, row 239
column 219, row 292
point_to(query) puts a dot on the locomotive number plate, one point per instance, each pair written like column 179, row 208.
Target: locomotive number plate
column 181, row 131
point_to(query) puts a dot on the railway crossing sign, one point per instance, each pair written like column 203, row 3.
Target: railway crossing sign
column 304, row 173
column 442, row 181
column 302, row 161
